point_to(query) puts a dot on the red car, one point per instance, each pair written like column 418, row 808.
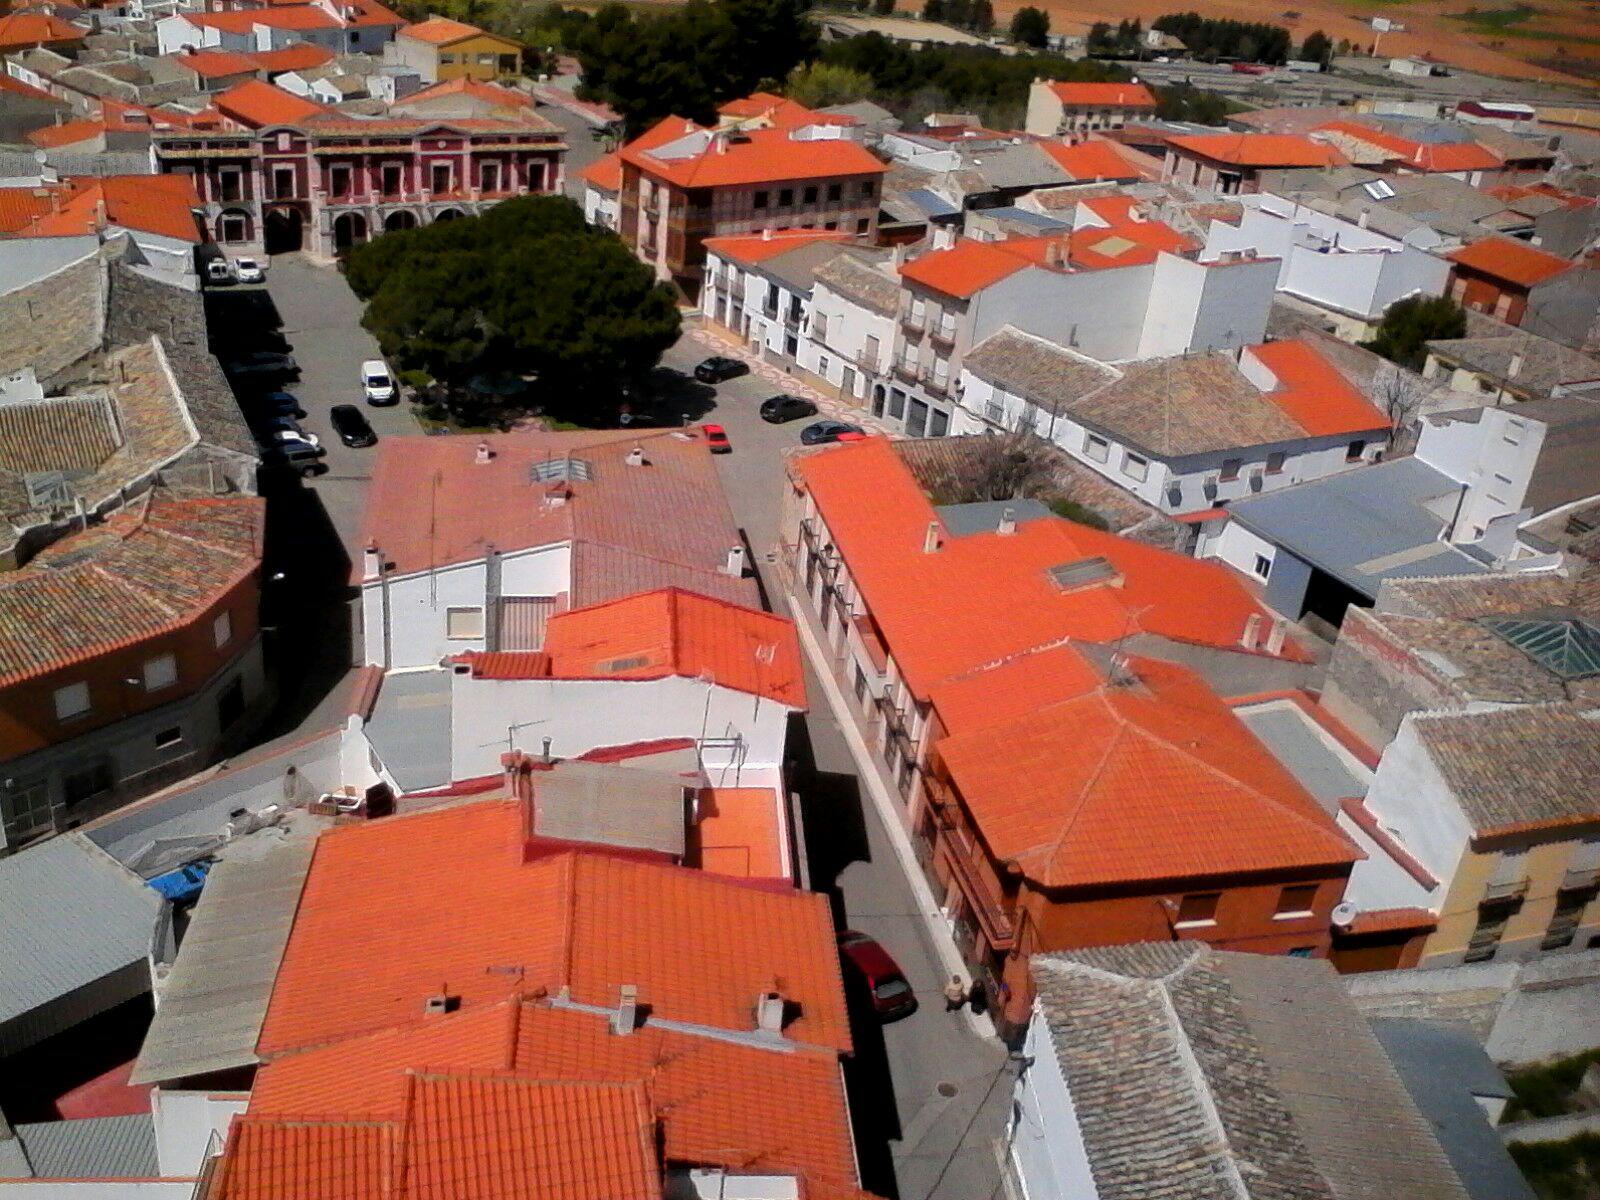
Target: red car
column 717, row 439
column 891, row 994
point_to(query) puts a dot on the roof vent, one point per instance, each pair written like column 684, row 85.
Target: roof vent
column 1008, row 522
column 483, row 455
column 930, row 540
column 734, row 566
column 441, row 1002
column 561, row 469
column 1252, row 629
column 635, row 457
column 625, row 1017
column 771, row 1009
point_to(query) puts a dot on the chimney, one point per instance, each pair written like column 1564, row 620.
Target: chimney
column 625, row 1017
column 944, row 237
column 1252, row 626
column 483, row 455
column 556, row 494
column 769, row 1011
column 441, row 1002
column 1276, row 635
column 371, row 562
column 735, row 564
column 1364, row 218
column 930, row 540
column 766, row 234
column 1008, row 521
column 1514, row 366
column 635, row 457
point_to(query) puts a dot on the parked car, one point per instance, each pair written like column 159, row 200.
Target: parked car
column 263, row 362
column 377, row 385
column 219, row 272
column 351, row 424
column 285, row 428
column 281, row 404
column 778, row 409
column 248, row 270
column 717, row 368
column 886, row 983
column 717, row 439
column 820, row 432
column 301, row 457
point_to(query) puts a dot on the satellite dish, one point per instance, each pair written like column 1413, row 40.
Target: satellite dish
column 1344, row 914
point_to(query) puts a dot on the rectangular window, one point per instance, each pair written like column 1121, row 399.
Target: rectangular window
column 440, row 177
column 1262, row 567
column 864, row 224
column 835, row 192
column 810, row 195
column 1230, row 468
column 1485, row 938
column 486, row 60
column 283, row 182
column 1564, row 921
column 391, row 179
column 897, row 403
column 785, row 197
column 759, row 200
column 1275, row 463
column 489, row 176
column 339, row 180
column 87, row 784
column 1096, row 448
column 463, row 624
column 1198, row 908
column 1135, row 466
column 508, row 64
column 222, row 629
column 26, row 811
column 160, row 672
column 168, row 738
column 938, row 423
column 1296, row 901
column 72, row 701
column 1352, row 452
column 869, row 188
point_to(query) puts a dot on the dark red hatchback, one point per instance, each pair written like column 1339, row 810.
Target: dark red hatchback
column 891, row 994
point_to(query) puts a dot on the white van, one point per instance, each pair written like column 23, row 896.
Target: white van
column 377, row 385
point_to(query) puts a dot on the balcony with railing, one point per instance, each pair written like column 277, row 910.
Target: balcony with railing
column 1508, row 891
column 943, row 333
column 908, row 369
column 793, row 316
column 993, row 917
column 1581, row 879
column 913, row 322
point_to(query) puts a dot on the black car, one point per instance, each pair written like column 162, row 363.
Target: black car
column 781, row 408
column 350, row 423
column 717, row 368
column 819, row 432
column 281, row 404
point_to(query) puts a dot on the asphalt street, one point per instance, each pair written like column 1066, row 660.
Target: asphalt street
column 928, row 1095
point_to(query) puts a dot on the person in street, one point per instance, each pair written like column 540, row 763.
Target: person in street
column 955, row 994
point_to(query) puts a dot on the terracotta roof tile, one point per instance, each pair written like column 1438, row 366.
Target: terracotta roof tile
column 1088, row 790
column 1426, row 157
column 255, row 103
column 1120, row 95
column 936, row 610
column 1259, row 149
column 439, row 31
column 1313, row 393
column 968, row 267
column 211, row 64
column 756, row 248
column 1090, row 161
column 604, row 172
column 295, row 57
column 50, row 137
column 21, row 29
column 738, row 833
column 754, row 156
column 391, row 911
column 1510, row 260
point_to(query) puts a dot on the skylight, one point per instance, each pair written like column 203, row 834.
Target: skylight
column 1084, row 571
column 1567, row 647
column 565, row 470
column 1378, row 189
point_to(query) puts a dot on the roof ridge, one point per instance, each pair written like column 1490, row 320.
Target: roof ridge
column 1082, row 801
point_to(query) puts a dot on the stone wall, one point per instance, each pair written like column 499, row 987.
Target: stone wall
column 1372, row 682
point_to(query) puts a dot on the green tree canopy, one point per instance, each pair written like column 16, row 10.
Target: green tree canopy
column 1317, row 48
column 526, row 288
column 819, row 84
column 1030, row 27
column 1410, row 324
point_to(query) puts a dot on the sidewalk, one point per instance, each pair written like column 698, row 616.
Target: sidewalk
column 828, row 405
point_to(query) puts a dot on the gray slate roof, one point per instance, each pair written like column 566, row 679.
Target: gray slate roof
column 410, row 728
column 1204, row 1075
column 92, row 1148
column 1363, row 526
column 1444, row 1068
column 853, row 276
column 69, row 915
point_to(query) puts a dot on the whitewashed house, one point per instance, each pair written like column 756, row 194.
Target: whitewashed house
column 758, row 288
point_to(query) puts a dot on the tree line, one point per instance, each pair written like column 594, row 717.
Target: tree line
column 1210, row 39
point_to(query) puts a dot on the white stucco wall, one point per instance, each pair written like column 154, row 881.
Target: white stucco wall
column 184, row 1124
column 1048, row 1157
column 601, row 208
column 1235, row 545
column 1412, row 801
column 579, row 715
column 1495, row 456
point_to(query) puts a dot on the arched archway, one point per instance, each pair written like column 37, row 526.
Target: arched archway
column 399, row 219
column 284, row 230
column 449, row 214
column 349, row 229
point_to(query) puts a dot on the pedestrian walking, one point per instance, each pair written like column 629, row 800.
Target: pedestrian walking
column 955, row 994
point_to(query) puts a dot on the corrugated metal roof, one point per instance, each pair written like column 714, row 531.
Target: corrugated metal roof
column 69, row 915
column 94, row 1148
column 215, row 999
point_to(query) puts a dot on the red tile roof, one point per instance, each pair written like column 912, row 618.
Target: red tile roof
column 440, row 31
column 738, row 832
column 489, row 93
column 757, row 248
column 1561, row 196
column 295, row 57
column 674, row 632
column 1108, row 95
column 67, row 133
column 151, row 570
column 1510, row 261
column 754, row 105
column 604, row 172
column 719, row 1102
column 21, row 29
column 1088, row 790
column 20, row 207
column 965, row 268
column 489, row 1137
column 17, row 88
column 1090, row 160
column 1313, row 393
column 1259, row 149
column 968, row 267
column 1425, row 157
column 937, row 610
column 212, row 64
column 293, row 16
column 158, row 204
column 393, row 911
column 751, row 157
column 777, row 111
column 255, row 104
column 621, row 545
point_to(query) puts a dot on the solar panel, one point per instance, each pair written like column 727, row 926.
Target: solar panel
column 1567, row 647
